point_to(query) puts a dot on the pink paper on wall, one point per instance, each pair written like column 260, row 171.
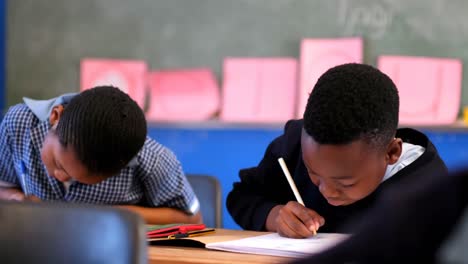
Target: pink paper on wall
column 429, row 88
column 259, row 89
column 319, row 55
column 127, row 75
column 183, row 95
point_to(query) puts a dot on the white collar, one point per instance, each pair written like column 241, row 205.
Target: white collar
column 409, row 154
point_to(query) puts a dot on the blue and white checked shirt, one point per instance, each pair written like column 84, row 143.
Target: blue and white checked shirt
column 153, row 178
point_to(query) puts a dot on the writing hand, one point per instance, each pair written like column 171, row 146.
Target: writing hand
column 294, row 220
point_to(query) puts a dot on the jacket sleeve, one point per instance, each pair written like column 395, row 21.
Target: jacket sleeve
column 263, row 187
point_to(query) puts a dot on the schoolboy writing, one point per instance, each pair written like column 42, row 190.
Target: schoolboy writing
column 341, row 155
column 92, row 147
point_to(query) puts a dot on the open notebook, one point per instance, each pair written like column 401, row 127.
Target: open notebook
column 275, row 245
column 252, row 242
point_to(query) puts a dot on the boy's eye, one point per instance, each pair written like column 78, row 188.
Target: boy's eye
column 347, row 185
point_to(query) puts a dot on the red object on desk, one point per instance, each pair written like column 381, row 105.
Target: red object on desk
column 160, row 231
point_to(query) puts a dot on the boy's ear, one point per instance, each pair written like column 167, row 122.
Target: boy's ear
column 55, row 114
column 394, row 150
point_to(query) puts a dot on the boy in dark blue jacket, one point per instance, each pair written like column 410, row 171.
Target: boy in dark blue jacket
column 344, row 152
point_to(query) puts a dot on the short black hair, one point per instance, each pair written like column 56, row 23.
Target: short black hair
column 104, row 127
column 352, row 101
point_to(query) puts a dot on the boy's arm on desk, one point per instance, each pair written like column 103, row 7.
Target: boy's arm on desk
column 15, row 194
column 11, row 193
column 163, row 215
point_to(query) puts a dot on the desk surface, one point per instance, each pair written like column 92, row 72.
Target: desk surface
column 185, row 255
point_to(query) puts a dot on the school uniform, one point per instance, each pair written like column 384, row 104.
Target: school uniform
column 263, row 187
column 153, row 178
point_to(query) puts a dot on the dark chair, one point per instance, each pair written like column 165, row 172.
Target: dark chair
column 70, row 233
column 208, row 191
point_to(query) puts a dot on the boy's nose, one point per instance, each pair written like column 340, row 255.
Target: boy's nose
column 61, row 177
column 328, row 191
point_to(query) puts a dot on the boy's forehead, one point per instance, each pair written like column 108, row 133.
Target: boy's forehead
column 337, row 160
column 358, row 146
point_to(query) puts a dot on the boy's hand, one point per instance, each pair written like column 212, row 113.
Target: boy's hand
column 294, row 220
column 17, row 195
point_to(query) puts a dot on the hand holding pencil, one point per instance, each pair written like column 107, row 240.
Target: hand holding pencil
column 293, row 219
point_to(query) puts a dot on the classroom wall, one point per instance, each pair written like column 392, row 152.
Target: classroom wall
column 46, row 40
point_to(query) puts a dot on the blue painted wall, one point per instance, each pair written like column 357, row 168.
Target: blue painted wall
column 223, row 151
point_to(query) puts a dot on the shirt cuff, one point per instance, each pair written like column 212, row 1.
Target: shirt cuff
column 194, row 206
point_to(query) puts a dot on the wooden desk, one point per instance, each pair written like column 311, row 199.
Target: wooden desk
column 185, row 255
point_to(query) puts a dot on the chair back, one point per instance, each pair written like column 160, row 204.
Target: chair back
column 70, row 233
column 208, row 191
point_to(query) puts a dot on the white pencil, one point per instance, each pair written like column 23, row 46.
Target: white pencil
column 290, row 180
column 291, row 183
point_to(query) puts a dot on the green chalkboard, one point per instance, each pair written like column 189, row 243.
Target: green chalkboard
column 46, row 39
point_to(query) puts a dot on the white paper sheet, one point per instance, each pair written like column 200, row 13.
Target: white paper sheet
column 275, row 245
